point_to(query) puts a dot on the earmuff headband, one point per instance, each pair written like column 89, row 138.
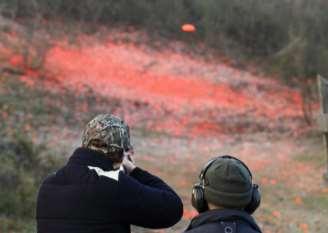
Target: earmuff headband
column 209, row 163
column 198, row 199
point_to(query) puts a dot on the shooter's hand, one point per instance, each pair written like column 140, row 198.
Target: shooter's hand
column 128, row 162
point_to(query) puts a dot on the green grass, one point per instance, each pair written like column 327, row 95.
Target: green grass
column 13, row 225
column 24, row 159
column 317, row 201
column 317, row 159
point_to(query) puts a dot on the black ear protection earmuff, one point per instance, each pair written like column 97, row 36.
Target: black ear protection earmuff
column 198, row 192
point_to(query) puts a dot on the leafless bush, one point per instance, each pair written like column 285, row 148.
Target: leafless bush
column 25, row 40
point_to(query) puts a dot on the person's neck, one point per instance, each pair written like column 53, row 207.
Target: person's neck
column 214, row 207
column 116, row 165
column 218, row 207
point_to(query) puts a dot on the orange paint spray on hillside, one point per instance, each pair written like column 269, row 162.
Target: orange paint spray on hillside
column 199, row 93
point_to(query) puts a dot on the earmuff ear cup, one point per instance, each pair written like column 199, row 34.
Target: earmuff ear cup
column 198, row 199
column 255, row 201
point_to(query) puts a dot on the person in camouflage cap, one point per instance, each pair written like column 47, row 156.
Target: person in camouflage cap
column 101, row 190
column 108, row 134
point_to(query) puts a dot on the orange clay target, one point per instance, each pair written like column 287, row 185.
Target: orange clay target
column 188, row 27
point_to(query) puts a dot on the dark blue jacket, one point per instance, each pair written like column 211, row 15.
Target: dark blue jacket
column 223, row 221
column 88, row 196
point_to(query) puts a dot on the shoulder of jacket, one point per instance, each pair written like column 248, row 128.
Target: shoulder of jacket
column 214, row 227
column 224, row 227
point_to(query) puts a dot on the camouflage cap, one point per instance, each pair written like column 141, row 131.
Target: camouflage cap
column 107, row 133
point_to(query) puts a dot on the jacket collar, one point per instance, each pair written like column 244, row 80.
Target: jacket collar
column 88, row 157
column 222, row 215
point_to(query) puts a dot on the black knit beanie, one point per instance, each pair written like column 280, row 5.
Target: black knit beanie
column 228, row 183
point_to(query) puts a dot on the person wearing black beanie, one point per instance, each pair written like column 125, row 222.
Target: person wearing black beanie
column 225, row 198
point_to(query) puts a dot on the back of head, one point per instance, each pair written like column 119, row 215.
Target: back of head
column 108, row 134
column 228, row 183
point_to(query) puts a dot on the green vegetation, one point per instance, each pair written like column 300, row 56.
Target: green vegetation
column 315, row 156
column 23, row 161
column 23, row 165
column 17, row 225
column 317, row 201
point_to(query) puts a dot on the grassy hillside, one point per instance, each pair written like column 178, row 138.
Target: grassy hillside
column 41, row 127
column 285, row 36
column 61, row 63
